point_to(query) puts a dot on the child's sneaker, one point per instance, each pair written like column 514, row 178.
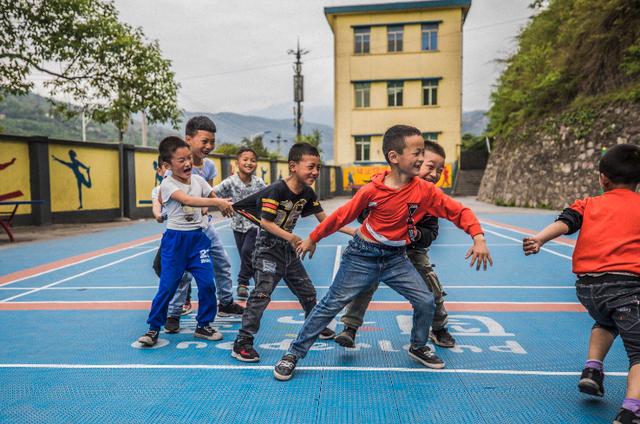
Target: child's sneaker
column 172, row 325
column 244, row 352
column 347, row 338
column 208, row 333
column 284, row 368
column 591, row 382
column 626, row 417
column 442, row 338
column 243, row 291
column 150, row 338
column 327, row 334
column 426, row 357
column 186, row 308
column 230, row 309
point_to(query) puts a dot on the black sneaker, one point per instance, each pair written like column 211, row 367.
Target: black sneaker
column 230, row 309
column 208, row 333
column 243, row 291
column 626, row 417
column 172, row 325
column 347, row 338
column 244, row 352
column 442, row 338
column 426, row 357
column 327, row 334
column 591, row 382
column 150, row 338
column 284, row 368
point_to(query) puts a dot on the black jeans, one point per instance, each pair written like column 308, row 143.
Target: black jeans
column 613, row 301
column 273, row 260
column 246, row 243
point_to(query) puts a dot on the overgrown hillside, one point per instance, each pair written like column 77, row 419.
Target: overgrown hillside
column 571, row 90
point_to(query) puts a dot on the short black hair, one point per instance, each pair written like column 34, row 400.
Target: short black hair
column 244, row 150
column 168, row 146
column 434, row 147
column 300, row 149
column 199, row 123
column 621, row 164
column 393, row 139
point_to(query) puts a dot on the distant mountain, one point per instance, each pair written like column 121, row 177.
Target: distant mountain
column 474, row 122
column 319, row 114
column 32, row 115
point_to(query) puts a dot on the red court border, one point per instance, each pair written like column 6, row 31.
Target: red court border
column 566, row 240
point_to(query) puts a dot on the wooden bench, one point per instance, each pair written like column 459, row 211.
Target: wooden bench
column 6, row 218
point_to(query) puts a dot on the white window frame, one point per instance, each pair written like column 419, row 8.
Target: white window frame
column 429, row 37
column 395, row 36
column 395, row 90
column 362, row 91
column 363, row 145
column 362, row 40
column 430, row 92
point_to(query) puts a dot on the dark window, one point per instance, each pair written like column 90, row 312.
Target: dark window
column 394, row 38
column 363, row 147
column 429, row 36
column 362, row 36
column 430, row 92
column 394, row 92
column 363, row 94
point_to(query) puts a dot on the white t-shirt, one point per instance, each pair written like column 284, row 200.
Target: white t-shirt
column 181, row 217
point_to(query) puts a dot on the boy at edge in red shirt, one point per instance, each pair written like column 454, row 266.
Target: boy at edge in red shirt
column 606, row 262
column 396, row 201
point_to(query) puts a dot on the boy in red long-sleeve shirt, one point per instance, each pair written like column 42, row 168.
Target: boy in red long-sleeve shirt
column 396, row 200
column 606, row 262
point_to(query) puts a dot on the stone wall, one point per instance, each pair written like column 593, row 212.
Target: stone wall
column 550, row 163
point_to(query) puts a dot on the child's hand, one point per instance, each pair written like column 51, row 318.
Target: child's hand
column 479, row 253
column 159, row 219
column 306, row 246
column 225, row 206
column 295, row 241
column 531, row 245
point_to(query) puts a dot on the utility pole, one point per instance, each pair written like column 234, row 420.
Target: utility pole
column 298, row 89
column 143, row 125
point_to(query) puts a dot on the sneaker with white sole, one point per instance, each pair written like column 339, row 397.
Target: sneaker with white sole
column 592, row 382
column 172, row 325
column 327, row 334
column 230, row 310
column 426, row 357
column 285, row 367
column 149, row 339
column 347, row 338
column 442, row 338
column 244, row 351
column 208, row 333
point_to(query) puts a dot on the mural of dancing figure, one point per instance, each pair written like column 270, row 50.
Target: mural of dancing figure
column 75, row 166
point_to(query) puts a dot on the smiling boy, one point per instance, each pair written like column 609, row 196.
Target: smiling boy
column 396, row 200
column 184, row 245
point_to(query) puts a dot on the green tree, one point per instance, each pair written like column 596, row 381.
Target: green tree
column 257, row 145
column 83, row 51
column 315, row 138
column 227, row 149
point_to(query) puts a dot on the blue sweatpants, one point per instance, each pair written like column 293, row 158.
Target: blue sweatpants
column 182, row 251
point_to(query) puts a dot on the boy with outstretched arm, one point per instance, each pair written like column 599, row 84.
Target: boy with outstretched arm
column 606, row 261
column 275, row 258
column 396, row 200
column 427, row 232
column 184, row 245
column 239, row 186
column 200, row 135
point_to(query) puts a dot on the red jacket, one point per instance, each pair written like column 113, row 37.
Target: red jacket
column 609, row 237
column 393, row 211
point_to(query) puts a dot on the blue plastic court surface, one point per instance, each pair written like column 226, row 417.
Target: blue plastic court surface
column 71, row 309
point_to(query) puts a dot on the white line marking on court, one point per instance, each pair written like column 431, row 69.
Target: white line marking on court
column 227, row 221
column 382, row 286
column 553, row 252
column 78, row 275
column 311, row 368
column 523, row 233
column 336, row 262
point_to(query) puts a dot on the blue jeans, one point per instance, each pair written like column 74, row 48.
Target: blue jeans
column 362, row 265
column 221, row 269
column 182, row 251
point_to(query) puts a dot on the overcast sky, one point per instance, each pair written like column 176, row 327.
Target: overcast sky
column 231, row 56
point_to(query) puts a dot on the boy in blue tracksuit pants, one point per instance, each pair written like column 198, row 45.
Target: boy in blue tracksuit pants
column 184, row 245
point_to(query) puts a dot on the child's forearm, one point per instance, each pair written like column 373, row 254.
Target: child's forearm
column 156, row 208
column 195, row 202
column 552, row 231
column 274, row 229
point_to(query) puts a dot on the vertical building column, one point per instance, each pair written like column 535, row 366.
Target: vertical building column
column 39, row 180
column 225, row 163
column 273, row 167
column 128, row 176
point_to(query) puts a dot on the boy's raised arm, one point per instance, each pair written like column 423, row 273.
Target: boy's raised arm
column 532, row 245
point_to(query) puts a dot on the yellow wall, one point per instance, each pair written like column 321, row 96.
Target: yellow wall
column 218, row 164
column 362, row 175
column 104, row 192
column 445, row 63
column 332, row 180
column 14, row 175
column 264, row 171
column 283, row 169
column 145, row 177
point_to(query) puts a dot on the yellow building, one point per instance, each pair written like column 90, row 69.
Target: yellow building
column 396, row 63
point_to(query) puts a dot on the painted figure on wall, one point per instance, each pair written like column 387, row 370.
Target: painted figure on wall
column 75, row 165
column 13, row 194
column 263, row 171
column 158, row 179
